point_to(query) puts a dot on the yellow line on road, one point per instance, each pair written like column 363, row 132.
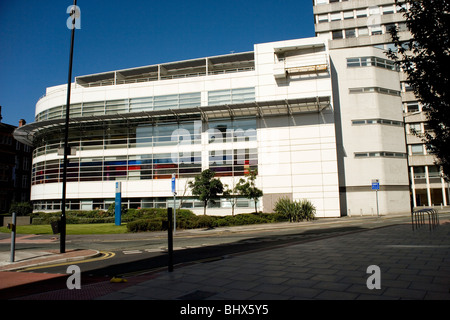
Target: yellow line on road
column 105, row 255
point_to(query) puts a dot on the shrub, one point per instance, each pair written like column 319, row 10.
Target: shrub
column 141, row 225
column 295, row 210
column 21, row 208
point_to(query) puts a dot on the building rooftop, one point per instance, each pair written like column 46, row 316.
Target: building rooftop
column 229, row 63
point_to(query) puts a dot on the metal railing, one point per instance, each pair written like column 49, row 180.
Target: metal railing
column 418, row 218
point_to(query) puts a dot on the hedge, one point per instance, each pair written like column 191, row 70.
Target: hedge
column 139, row 220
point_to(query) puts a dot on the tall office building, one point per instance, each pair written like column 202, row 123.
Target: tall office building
column 351, row 26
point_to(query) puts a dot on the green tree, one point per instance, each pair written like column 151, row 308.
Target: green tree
column 247, row 187
column 425, row 58
column 206, row 187
column 231, row 194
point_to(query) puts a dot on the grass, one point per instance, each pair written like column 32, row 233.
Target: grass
column 72, row 229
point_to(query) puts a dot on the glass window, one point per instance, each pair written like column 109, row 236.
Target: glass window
column 350, row 33
column 335, row 16
column 361, row 13
column 337, row 34
column 388, row 9
column 376, row 30
column 322, row 18
column 417, row 149
column 415, row 128
column 353, row 62
column 412, row 106
column 348, row 15
column 434, row 172
column 363, row 32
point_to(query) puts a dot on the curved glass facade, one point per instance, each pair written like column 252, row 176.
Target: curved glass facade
column 161, row 157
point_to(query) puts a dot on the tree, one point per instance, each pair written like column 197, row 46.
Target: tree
column 231, row 194
column 206, row 187
column 247, row 187
column 425, row 58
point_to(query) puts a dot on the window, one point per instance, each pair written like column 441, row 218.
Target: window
column 371, row 61
column 363, row 32
column 388, row 9
column 337, row 34
column 378, row 154
column 389, row 27
column 376, row 30
column 374, row 90
column 240, row 95
column 350, row 33
column 321, row 18
column 434, row 172
column 361, row 13
column 412, row 106
column 415, row 128
column 419, row 172
column 417, row 149
column 335, row 16
column 348, row 15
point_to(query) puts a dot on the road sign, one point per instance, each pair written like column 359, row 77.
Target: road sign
column 376, row 187
column 118, row 204
column 375, row 184
column 173, row 183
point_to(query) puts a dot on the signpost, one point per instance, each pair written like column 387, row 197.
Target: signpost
column 376, row 187
column 174, row 201
column 118, row 204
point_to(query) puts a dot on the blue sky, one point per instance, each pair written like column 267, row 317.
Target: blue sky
column 35, row 41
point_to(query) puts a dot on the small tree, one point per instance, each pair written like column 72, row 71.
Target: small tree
column 206, row 187
column 247, row 187
column 231, row 194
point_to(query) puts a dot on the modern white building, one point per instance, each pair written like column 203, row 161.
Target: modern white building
column 270, row 109
column 320, row 119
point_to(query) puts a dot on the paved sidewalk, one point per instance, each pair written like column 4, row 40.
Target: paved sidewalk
column 413, row 265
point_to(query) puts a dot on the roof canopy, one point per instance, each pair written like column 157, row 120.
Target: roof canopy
column 26, row 134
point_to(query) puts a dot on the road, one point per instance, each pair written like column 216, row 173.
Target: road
column 132, row 254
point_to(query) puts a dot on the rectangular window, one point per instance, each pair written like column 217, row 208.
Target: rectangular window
column 337, row 34
column 321, row 18
column 336, row 16
column 417, row 149
column 361, row 13
column 363, row 32
column 348, row 15
column 353, row 62
column 221, row 97
column 412, row 106
column 388, row 9
column 376, row 30
column 415, row 128
column 350, row 33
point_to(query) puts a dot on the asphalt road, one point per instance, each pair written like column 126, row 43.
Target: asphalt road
column 132, row 254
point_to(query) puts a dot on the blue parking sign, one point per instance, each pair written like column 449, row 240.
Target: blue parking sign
column 173, row 183
column 375, row 186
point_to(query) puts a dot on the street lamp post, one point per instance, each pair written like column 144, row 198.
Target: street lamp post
column 66, row 138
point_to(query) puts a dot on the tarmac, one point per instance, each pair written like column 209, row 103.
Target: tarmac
column 400, row 261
